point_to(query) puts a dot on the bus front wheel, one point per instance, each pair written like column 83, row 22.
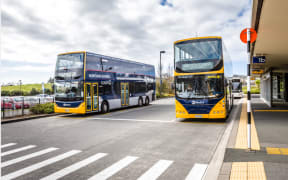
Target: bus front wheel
column 105, row 107
column 140, row 102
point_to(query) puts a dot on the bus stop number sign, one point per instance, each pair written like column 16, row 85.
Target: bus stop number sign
column 253, row 35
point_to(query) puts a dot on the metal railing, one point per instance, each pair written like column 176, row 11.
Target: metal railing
column 20, row 106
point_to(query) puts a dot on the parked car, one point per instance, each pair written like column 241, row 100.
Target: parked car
column 6, row 103
column 18, row 102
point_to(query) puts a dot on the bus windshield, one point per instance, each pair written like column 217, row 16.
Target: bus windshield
column 198, row 55
column 199, row 86
column 69, row 66
column 68, row 91
column 236, row 85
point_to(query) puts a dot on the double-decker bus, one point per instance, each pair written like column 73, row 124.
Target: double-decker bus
column 89, row 82
column 237, row 88
column 202, row 72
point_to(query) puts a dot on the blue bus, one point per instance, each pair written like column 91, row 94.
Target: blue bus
column 89, row 82
column 203, row 73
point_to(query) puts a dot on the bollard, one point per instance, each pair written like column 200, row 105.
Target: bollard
column 248, row 92
column 23, row 106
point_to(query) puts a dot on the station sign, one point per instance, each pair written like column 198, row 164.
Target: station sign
column 257, row 71
column 259, row 59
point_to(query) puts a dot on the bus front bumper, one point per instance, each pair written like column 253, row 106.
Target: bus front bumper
column 77, row 110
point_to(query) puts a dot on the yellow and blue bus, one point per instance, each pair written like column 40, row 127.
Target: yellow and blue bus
column 203, row 72
column 89, row 82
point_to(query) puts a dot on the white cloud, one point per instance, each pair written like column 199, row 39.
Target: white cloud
column 36, row 31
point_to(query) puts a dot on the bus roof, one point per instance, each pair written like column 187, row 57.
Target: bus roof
column 104, row 56
column 195, row 38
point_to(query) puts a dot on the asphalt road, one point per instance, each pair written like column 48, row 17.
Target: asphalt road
column 144, row 142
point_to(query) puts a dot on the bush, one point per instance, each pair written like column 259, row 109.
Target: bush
column 47, row 108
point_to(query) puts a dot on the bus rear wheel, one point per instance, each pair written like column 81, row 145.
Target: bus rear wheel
column 104, row 107
column 140, row 102
column 147, row 101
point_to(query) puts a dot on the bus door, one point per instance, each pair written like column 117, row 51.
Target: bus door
column 95, row 98
column 124, row 94
column 88, row 96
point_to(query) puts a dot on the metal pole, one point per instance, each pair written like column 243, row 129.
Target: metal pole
column 160, row 75
column 248, row 92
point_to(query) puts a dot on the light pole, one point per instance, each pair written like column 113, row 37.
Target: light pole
column 20, row 82
column 161, row 52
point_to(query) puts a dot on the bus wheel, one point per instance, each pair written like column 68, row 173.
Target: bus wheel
column 147, row 101
column 140, row 101
column 105, row 107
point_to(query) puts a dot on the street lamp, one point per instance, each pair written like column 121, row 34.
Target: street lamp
column 161, row 52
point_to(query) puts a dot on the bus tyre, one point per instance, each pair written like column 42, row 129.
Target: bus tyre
column 104, row 107
column 147, row 101
column 140, row 102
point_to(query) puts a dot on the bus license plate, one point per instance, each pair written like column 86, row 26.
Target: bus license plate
column 198, row 116
column 66, row 110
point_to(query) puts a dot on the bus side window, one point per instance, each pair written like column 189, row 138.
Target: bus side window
column 93, row 63
column 132, row 88
column 117, row 89
column 101, row 90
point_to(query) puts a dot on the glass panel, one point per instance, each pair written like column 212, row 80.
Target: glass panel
column 88, row 96
column 69, row 66
column 122, row 93
column 127, row 94
column 68, row 91
column 200, row 86
column 198, row 55
column 95, row 96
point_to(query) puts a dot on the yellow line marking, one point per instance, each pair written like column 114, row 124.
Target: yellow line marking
column 241, row 139
column 284, row 151
column 270, row 110
column 247, row 171
column 273, row 150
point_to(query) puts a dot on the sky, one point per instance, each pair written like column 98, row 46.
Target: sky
column 33, row 32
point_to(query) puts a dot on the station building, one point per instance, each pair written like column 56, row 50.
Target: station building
column 270, row 20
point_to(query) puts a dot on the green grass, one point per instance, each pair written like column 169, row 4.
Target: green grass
column 254, row 90
column 27, row 87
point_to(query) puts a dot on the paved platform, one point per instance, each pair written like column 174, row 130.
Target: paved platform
column 267, row 161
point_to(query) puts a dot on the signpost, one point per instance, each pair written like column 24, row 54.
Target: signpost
column 248, row 36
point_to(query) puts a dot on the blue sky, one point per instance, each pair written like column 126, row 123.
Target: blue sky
column 34, row 32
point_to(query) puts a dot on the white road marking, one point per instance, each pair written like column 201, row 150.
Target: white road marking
column 140, row 120
column 39, row 165
column 110, row 171
column 17, row 150
column 7, row 145
column 156, row 170
column 74, row 167
column 29, row 156
column 197, row 172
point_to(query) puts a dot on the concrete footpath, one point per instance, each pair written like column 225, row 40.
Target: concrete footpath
column 269, row 156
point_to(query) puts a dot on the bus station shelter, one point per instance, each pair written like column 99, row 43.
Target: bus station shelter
column 269, row 19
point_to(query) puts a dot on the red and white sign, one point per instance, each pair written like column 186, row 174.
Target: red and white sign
column 253, row 35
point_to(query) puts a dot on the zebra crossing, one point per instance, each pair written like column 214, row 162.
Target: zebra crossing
column 197, row 172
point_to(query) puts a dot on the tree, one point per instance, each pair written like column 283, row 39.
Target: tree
column 51, row 80
column 34, row 92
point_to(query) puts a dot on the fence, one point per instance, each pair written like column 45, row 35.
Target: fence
column 19, row 106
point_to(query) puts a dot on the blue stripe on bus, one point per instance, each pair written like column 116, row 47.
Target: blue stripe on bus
column 201, row 106
column 68, row 104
